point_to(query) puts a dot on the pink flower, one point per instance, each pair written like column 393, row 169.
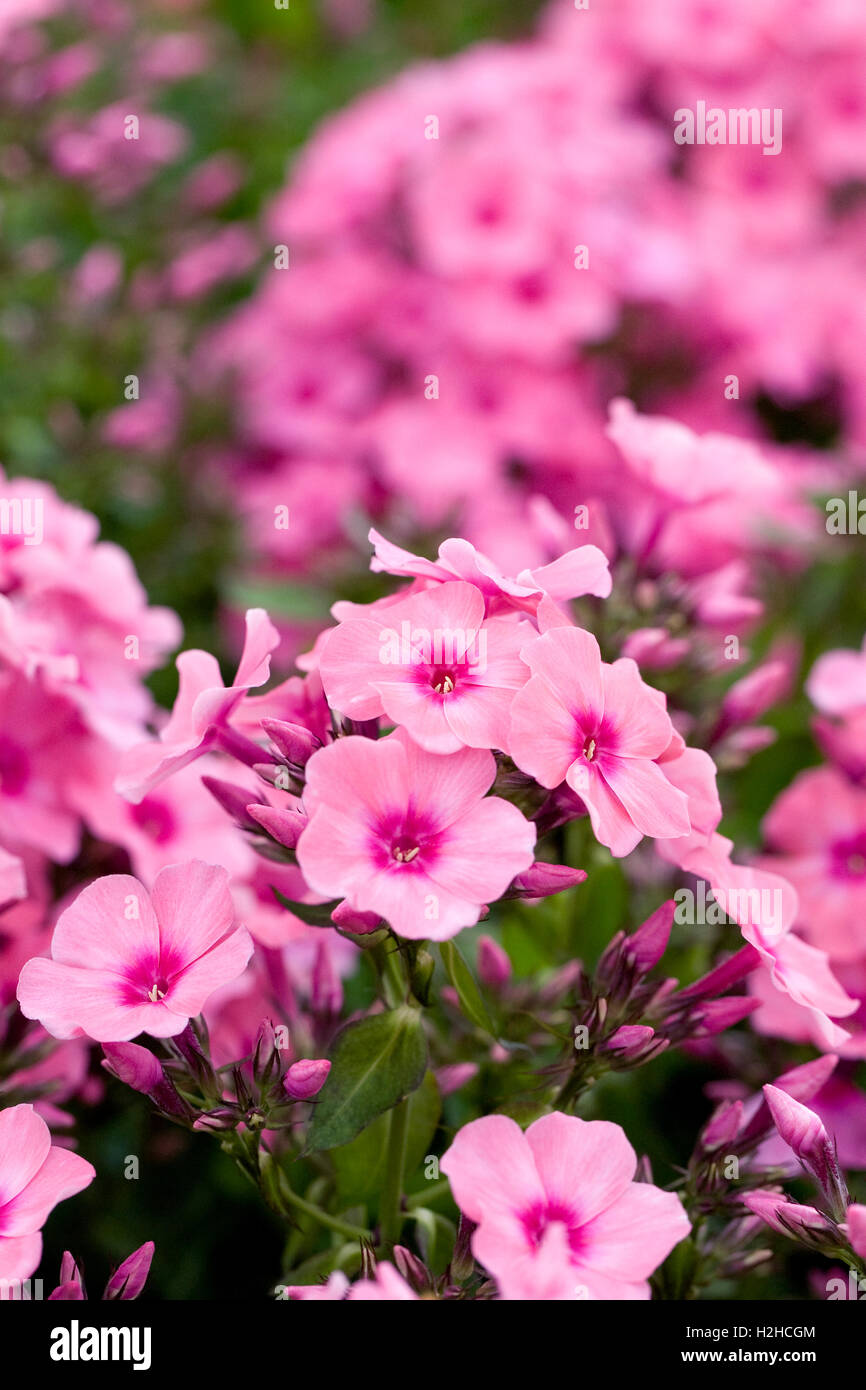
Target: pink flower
column 601, row 729
column 410, row 835
column 432, row 664
column 765, row 906
column 558, row 1214
column 202, row 710
column 575, row 573
column 34, row 1177
column 125, row 962
column 837, row 681
column 817, row 827
column 388, row 1286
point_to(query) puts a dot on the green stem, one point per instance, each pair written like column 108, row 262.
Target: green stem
column 393, row 975
column 343, row 1228
column 430, row 1193
column 391, row 1212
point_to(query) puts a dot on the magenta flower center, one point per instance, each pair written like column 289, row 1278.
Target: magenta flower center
column 849, row 857
column 443, row 681
column 151, row 978
column 155, row 818
column 404, row 851
column 589, row 749
column 538, row 1220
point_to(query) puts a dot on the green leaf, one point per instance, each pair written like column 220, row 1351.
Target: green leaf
column 361, row 1165
column 314, row 914
column 471, row 1000
column 374, row 1064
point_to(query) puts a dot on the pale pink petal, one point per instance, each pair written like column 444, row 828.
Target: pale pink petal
column 491, row 1169
column 421, row 711
column 20, row 1256
column 260, row 640
column 643, row 727
column 194, row 908
column 632, row 1237
column 543, row 737
column 188, row 993
column 654, row 805
column 584, row 570
column 484, row 851
column 352, row 658
column 445, row 788
column 611, row 823
column 24, row 1144
column 584, row 1164
column 569, row 660
column 62, row 1175
column 109, row 925
column 480, row 717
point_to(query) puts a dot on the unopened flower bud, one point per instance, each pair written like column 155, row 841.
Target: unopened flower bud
column 648, row 944
column 129, row 1279
column 293, row 741
column 233, row 799
column 305, row 1079
column 804, row 1132
column 494, row 967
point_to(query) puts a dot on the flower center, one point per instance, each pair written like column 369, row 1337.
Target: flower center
column 849, row 857
column 443, row 682
column 589, row 749
column 404, row 854
column 157, row 991
column 155, row 818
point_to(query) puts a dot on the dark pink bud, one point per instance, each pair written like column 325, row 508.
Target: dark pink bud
column 804, row 1132
column 351, row 920
column 542, row 880
column 718, row 1014
column 494, row 967
column 752, row 696
column 135, row 1066
column 305, row 1079
column 729, row 973
column 631, row 1037
column 294, row 741
column 786, row 1217
column 723, row 1126
column 71, row 1292
column 285, row 826
column 451, row 1079
column 649, row 943
column 71, row 1286
column 233, row 799
column 411, row 1268
column 129, row 1279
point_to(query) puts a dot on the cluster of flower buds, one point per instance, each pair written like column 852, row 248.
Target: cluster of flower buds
column 833, row 1226
column 624, row 1017
column 126, row 1282
column 258, row 1092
